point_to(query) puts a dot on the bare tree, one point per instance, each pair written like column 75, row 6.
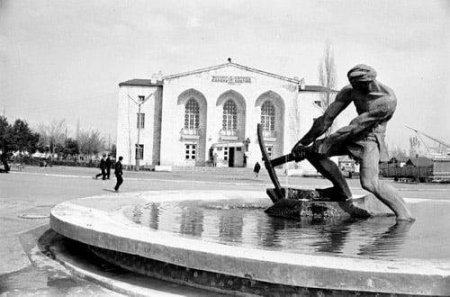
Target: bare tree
column 398, row 153
column 53, row 134
column 90, row 142
column 414, row 146
column 327, row 79
column 296, row 122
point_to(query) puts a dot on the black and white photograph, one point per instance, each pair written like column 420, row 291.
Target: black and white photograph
column 224, row 148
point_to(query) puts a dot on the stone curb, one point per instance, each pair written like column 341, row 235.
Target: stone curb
column 97, row 221
column 18, row 253
column 139, row 286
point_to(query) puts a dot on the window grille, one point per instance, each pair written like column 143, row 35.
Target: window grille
column 192, row 115
column 269, row 150
column 229, row 121
column 225, row 153
column 190, row 151
column 268, row 116
column 140, row 120
column 139, row 151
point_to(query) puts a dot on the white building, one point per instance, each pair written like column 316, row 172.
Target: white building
column 185, row 119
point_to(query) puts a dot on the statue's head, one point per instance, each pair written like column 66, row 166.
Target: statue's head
column 361, row 76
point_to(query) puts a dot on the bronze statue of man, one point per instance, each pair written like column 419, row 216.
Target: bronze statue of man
column 362, row 139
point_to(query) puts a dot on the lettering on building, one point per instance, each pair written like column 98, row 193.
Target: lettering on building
column 231, row 79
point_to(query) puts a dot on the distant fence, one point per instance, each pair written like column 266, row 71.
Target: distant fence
column 30, row 161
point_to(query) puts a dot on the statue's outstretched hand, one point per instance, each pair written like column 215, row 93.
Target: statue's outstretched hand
column 299, row 152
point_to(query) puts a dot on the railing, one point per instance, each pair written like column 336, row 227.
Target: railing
column 228, row 134
column 190, row 134
column 269, row 134
column 224, row 132
column 187, row 131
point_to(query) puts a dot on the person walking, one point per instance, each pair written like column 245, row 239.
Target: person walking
column 4, row 160
column 102, row 168
column 118, row 172
column 256, row 169
column 108, row 166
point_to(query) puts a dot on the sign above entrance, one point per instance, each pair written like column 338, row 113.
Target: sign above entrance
column 231, row 79
column 225, row 144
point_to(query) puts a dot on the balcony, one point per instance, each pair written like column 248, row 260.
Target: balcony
column 190, row 134
column 228, row 134
column 269, row 135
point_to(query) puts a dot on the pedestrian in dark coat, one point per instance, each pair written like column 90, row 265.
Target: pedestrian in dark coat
column 4, row 160
column 102, row 168
column 108, row 166
column 118, row 172
column 256, row 169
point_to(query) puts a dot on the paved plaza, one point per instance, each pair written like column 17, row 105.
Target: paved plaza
column 27, row 196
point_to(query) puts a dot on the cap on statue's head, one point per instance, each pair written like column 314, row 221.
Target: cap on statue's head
column 361, row 72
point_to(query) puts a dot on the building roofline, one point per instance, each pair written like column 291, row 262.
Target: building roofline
column 138, row 82
column 317, row 89
column 281, row 77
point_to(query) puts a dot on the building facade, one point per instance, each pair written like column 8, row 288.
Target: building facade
column 209, row 116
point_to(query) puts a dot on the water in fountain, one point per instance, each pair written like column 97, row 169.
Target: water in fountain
column 244, row 223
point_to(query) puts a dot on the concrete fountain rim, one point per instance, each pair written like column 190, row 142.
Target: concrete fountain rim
column 99, row 221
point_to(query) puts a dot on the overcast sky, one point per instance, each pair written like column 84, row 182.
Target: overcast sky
column 64, row 59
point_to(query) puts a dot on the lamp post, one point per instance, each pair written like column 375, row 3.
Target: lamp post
column 139, row 103
column 246, row 143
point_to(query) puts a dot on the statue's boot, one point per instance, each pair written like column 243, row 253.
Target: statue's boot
column 332, row 193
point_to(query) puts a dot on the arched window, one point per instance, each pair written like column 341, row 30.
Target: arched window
column 268, row 116
column 192, row 115
column 229, row 121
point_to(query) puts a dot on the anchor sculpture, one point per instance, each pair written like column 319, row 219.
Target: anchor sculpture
column 308, row 203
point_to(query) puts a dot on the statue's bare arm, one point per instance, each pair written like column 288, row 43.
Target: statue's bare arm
column 321, row 124
column 381, row 110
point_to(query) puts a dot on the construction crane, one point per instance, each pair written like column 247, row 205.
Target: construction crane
column 442, row 145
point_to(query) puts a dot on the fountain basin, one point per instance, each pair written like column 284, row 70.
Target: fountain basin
column 102, row 223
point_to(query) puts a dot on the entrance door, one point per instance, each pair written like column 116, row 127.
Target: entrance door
column 238, row 157
column 190, row 156
column 231, row 157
